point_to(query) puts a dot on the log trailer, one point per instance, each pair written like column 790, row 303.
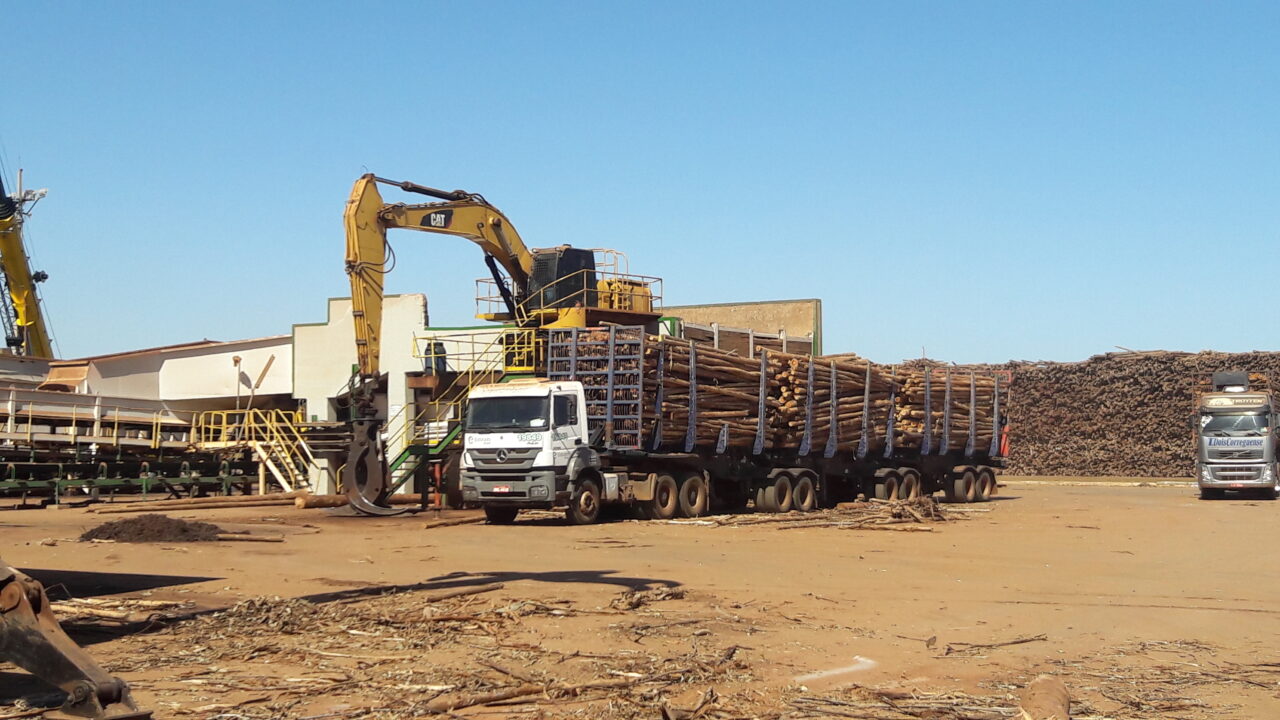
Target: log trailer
column 590, row 433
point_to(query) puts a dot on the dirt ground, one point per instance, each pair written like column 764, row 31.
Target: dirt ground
column 1146, row 601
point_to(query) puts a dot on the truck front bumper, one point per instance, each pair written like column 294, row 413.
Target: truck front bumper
column 534, row 489
column 1230, row 477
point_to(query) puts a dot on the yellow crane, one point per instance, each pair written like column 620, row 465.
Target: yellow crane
column 539, row 288
column 25, row 328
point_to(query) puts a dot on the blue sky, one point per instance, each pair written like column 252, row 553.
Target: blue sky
column 985, row 181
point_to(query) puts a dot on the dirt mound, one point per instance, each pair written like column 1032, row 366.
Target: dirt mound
column 153, row 528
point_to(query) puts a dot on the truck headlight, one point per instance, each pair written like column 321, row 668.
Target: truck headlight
column 538, row 491
column 1205, row 474
column 1266, row 473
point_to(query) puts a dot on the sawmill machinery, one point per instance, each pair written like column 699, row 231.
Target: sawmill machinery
column 32, row 639
column 26, row 332
column 539, row 288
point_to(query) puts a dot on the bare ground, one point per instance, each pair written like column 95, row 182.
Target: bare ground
column 1147, row 602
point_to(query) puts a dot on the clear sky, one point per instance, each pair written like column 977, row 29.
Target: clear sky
column 982, row 180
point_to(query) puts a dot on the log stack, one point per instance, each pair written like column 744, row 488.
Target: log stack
column 924, row 394
column 728, row 393
column 1124, row 414
column 853, row 404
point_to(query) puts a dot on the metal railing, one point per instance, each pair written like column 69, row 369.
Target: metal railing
column 609, row 286
column 25, row 412
column 460, row 362
column 273, row 434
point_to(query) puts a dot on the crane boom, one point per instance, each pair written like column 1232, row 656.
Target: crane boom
column 28, row 334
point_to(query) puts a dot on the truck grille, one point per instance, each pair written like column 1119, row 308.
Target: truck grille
column 1224, row 454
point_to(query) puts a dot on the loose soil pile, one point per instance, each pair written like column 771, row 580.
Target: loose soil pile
column 153, row 528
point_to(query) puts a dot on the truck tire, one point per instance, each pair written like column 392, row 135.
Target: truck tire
column 963, row 487
column 694, row 498
column 804, row 496
column 777, row 497
column 979, row 488
column 887, row 487
column 909, row 488
column 666, row 499
column 584, row 507
column 500, row 514
column 987, row 477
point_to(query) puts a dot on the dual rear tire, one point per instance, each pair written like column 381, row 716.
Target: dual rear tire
column 788, row 492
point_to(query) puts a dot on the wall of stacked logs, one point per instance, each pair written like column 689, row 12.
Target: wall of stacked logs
column 1125, row 414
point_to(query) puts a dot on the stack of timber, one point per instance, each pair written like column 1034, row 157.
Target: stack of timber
column 861, row 401
column 727, row 389
column 1125, row 414
column 941, row 404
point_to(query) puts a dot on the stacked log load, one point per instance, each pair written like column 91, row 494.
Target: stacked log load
column 925, row 387
column 728, row 393
column 1125, row 414
column 855, row 402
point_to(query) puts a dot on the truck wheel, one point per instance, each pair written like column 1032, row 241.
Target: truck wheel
column 803, row 496
column 584, row 508
column 693, row 496
column 909, row 488
column 666, row 499
column 987, row 477
column 777, row 497
column 500, row 514
column 1212, row 493
column 963, row 488
column 887, row 487
column 979, row 489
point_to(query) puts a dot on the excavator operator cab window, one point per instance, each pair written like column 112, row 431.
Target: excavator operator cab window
column 563, row 277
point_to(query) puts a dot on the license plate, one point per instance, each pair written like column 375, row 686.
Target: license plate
column 501, row 488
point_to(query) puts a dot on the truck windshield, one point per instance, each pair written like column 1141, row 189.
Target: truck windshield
column 507, row 413
column 1233, row 424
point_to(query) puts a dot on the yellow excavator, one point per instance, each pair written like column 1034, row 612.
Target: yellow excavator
column 26, row 332
column 540, row 288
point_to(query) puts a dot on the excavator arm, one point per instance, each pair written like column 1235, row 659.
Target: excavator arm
column 366, row 221
column 31, row 638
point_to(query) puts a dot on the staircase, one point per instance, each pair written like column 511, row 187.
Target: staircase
column 275, row 437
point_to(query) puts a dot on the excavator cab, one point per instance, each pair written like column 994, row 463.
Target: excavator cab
column 562, row 277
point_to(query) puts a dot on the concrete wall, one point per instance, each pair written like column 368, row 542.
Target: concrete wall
column 798, row 318
column 22, row 372
column 212, row 372
column 324, row 354
column 198, row 372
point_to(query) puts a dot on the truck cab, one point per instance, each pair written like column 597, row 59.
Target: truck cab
column 526, row 445
column 1236, row 434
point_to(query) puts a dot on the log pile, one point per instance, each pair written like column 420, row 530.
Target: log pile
column 924, row 394
column 728, row 390
column 854, row 403
column 1125, row 414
